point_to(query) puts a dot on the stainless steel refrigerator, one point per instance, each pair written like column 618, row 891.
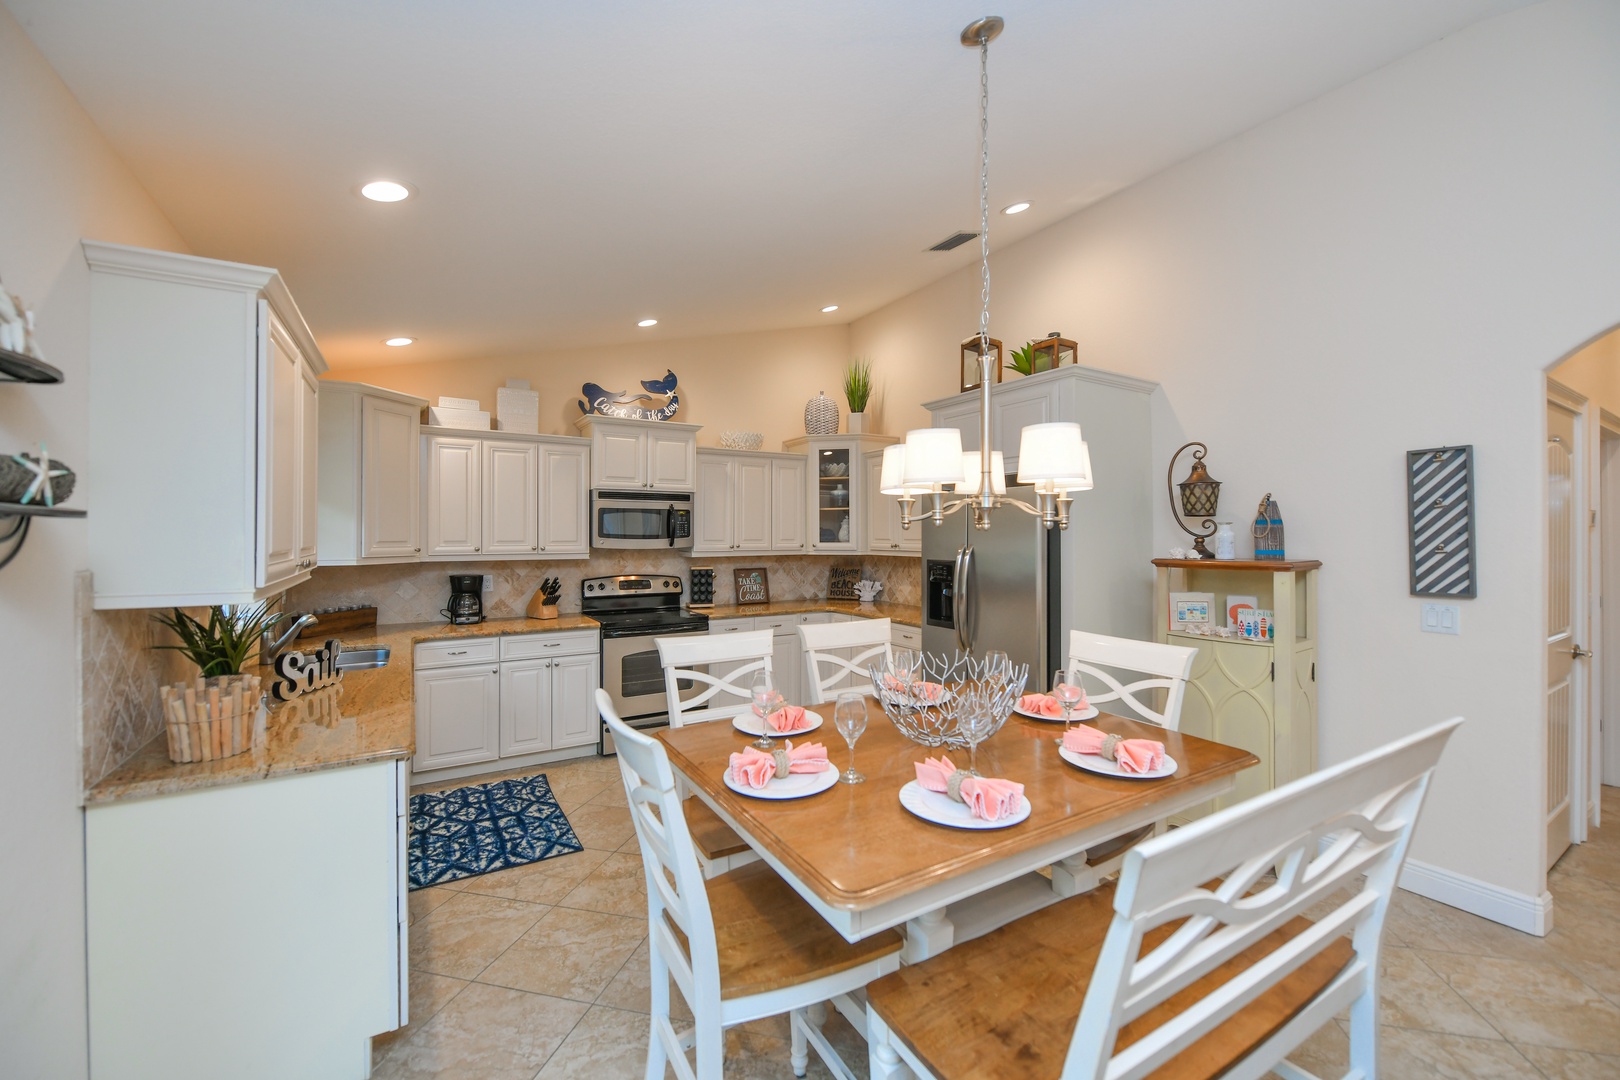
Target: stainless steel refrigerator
column 995, row 588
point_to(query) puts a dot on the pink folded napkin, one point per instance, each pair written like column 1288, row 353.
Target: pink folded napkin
column 984, row 796
column 1040, row 705
column 922, row 691
column 788, row 719
column 756, row 768
column 1133, row 755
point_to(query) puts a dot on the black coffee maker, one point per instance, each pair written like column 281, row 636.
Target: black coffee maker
column 466, row 606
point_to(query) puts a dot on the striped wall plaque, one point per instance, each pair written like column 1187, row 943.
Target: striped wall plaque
column 1440, row 487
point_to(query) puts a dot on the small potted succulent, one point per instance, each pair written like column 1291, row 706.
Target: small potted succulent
column 858, row 392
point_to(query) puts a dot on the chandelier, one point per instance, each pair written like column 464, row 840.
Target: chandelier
column 1052, row 458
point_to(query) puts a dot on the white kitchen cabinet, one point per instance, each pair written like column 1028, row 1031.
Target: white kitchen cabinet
column 902, row 636
column 209, row 364
column 251, row 930
column 752, row 499
column 749, row 501
column 458, row 716
column 484, row 699
column 788, row 504
column 511, row 497
column 714, row 528
column 884, row 532
column 565, row 512
column 370, row 475
column 452, row 465
column 629, row 454
column 309, row 464
column 836, row 481
column 504, row 496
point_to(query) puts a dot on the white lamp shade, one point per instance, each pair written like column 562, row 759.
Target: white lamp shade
column 1054, row 457
column 893, row 479
column 972, row 463
column 933, row 456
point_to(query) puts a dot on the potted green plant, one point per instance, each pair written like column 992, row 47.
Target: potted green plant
column 858, row 392
column 1027, row 361
column 223, row 645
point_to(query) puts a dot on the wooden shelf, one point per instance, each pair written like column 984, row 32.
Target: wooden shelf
column 1268, row 566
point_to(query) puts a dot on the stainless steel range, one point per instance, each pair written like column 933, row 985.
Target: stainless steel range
column 634, row 609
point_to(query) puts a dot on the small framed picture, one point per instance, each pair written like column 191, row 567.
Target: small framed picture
column 1188, row 609
column 841, row 582
column 753, row 585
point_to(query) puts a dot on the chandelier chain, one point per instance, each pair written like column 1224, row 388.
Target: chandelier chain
column 984, row 206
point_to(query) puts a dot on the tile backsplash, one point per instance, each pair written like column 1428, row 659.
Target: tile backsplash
column 120, row 674
column 415, row 592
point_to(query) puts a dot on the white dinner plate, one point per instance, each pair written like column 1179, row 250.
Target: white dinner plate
column 943, row 810
column 749, row 724
column 1095, row 763
column 1090, row 712
column 791, row 786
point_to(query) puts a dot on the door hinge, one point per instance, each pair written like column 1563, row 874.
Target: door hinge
column 1313, row 671
column 1274, row 671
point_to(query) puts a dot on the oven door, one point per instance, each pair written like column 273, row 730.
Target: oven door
column 631, row 519
column 634, row 680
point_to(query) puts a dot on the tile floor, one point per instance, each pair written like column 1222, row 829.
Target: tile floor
column 540, row 972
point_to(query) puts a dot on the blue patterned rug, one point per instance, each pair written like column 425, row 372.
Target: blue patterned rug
column 474, row 830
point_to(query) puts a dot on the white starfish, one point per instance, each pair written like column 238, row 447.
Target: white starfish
column 43, row 474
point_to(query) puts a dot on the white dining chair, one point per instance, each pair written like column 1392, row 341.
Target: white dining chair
column 1205, row 959
column 1167, row 667
column 690, row 658
column 867, row 641
column 741, row 946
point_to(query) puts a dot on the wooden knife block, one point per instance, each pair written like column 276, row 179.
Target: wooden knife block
column 539, row 609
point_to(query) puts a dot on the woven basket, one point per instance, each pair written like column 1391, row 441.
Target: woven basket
column 821, row 416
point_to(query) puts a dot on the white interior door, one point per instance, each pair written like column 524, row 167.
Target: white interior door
column 1608, row 649
column 1564, row 670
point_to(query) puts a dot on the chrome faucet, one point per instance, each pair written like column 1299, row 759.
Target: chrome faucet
column 271, row 648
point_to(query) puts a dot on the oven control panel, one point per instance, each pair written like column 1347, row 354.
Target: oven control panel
column 630, row 585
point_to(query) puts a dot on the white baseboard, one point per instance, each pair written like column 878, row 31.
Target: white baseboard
column 1531, row 914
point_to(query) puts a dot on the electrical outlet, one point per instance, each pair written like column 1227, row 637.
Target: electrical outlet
column 1442, row 619
column 489, row 582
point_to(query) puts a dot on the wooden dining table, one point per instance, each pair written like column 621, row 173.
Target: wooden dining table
column 866, row 864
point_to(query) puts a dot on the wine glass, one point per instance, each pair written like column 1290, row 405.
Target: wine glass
column 766, row 701
column 997, row 666
column 975, row 725
column 849, row 717
column 1067, row 689
column 902, row 669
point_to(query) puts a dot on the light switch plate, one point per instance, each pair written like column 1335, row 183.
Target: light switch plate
column 489, row 586
column 1442, row 619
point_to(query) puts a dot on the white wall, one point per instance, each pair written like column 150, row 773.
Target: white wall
column 59, row 181
column 1389, row 267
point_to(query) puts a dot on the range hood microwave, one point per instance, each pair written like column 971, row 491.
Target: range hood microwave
column 641, row 519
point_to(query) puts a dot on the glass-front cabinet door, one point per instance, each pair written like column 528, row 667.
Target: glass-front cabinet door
column 834, row 528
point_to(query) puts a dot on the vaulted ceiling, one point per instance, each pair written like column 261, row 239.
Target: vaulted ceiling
column 718, row 166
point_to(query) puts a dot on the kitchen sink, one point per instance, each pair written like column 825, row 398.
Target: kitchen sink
column 363, row 659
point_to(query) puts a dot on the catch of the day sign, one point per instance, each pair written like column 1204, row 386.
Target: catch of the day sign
column 753, row 586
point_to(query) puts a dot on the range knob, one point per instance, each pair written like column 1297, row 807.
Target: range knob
column 590, row 588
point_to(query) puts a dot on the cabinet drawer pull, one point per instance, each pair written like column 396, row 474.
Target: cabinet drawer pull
column 552, row 645
column 457, row 652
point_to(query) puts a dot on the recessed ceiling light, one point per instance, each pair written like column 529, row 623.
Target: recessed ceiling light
column 385, row 191
column 1016, row 208
column 398, row 341
column 829, row 308
column 648, row 322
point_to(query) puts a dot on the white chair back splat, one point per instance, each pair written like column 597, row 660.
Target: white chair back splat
column 1167, row 665
column 868, row 643
column 740, row 656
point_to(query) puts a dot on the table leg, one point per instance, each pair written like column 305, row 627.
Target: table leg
column 929, row 934
column 1071, row 876
column 882, row 1061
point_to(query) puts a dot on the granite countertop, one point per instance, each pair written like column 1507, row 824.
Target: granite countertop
column 905, row 614
column 368, row 716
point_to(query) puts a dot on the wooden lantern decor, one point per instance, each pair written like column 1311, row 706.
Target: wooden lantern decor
column 971, row 352
column 1055, row 351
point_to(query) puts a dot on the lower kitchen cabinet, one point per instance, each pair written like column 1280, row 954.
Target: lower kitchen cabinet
column 254, row 930
column 493, row 698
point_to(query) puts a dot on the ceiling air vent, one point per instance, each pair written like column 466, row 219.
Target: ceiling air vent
column 954, row 241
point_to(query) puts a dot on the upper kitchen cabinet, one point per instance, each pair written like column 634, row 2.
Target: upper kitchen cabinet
column 630, row 454
column 203, row 463
column 500, row 495
column 370, row 486
column 836, row 483
column 885, row 534
column 749, row 501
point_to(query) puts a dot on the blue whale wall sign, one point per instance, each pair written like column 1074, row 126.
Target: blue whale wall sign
column 622, row 404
